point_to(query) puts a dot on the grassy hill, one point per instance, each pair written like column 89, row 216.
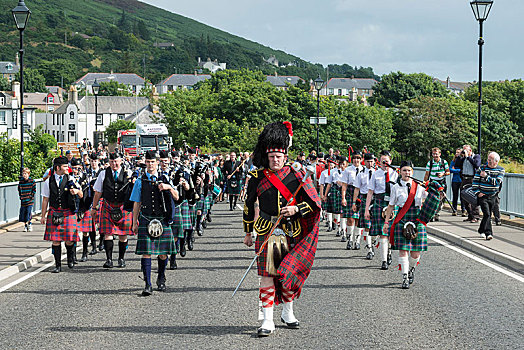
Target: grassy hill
column 122, row 35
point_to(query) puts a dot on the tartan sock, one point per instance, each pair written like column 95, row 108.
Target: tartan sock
column 92, row 237
column 122, row 247
column 350, row 233
column 85, row 244
column 287, row 295
column 267, row 296
column 161, row 268
column 108, row 246
column 383, row 243
column 146, row 270
column 413, row 262
column 57, row 253
column 404, row 264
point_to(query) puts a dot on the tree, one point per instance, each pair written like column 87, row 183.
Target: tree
column 113, row 88
column 142, row 31
column 33, row 80
column 56, row 70
column 4, row 84
column 398, row 87
column 114, row 127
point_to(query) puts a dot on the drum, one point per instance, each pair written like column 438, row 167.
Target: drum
column 468, row 195
column 430, row 206
column 216, row 190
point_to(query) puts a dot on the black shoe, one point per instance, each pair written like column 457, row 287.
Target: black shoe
column 261, row 332
column 436, row 218
column 57, row 269
column 121, row 263
column 84, row 257
column 190, row 244
column 498, row 223
column 148, row 290
column 291, row 325
column 411, row 275
column 93, row 252
column 349, row 246
column 357, row 246
column 70, row 262
column 108, row 264
column 172, row 262
column 182, row 249
column 204, row 224
column 385, row 265
column 161, row 285
column 338, row 234
column 405, row 281
column 343, row 239
column 101, row 246
column 329, row 229
column 370, row 255
column 208, row 218
column 231, row 209
column 199, row 231
column 390, row 260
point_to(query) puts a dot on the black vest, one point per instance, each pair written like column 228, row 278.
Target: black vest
column 60, row 197
column 153, row 201
column 112, row 190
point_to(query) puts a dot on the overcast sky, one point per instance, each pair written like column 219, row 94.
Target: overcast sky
column 437, row 37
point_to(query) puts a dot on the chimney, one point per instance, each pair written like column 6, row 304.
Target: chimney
column 447, row 82
column 17, row 60
column 72, row 95
column 16, row 89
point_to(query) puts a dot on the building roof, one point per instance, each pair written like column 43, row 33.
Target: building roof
column 107, row 105
column 184, row 79
column 4, row 68
column 350, row 83
column 283, row 80
column 454, row 85
column 146, row 115
column 122, row 78
column 39, row 98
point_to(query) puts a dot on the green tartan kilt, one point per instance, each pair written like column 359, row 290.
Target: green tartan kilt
column 201, row 204
column 163, row 245
column 177, row 224
column 377, row 222
column 347, row 211
column 193, row 214
column 362, row 222
column 234, row 190
column 419, row 244
column 186, row 216
column 209, row 202
column 334, row 200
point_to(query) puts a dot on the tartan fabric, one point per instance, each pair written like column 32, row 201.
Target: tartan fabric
column 121, row 228
column 146, row 245
column 177, row 224
column 430, row 207
column 200, row 205
column 362, row 222
column 186, row 216
column 335, row 200
column 86, row 224
column 208, row 202
column 420, row 243
column 377, row 222
column 234, row 190
column 99, row 212
column 262, row 258
column 64, row 232
column 192, row 215
column 347, row 211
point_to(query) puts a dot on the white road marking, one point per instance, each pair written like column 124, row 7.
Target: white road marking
column 29, row 275
column 478, row 259
column 239, row 207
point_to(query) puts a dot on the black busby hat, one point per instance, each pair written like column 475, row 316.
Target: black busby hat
column 175, row 154
column 163, row 154
column 60, row 161
column 151, row 155
column 115, row 155
column 312, row 156
column 184, row 157
column 93, row 156
column 406, row 163
column 75, row 162
column 369, row 156
column 341, row 159
column 276, row 137
column 386, row 153
column 191, row 150
column 357, row 153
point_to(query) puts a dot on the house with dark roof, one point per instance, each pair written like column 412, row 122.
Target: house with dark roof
column 10, row 112
column 455, row 87
column 180, row 81
column 9, row 70
column 133, row 81
column 283, row 81
column 350, row 87
column 45, row 101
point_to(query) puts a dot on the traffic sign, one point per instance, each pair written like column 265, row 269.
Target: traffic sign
column 321, row 120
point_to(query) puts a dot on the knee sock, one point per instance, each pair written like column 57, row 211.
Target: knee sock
column 85, row 244
column 350, row 233
column 287, row 296
column 403, row 261
column 108, row 246
column 92, row 237
column 329, row 218
column 383, row 241
column 343, row 226
column 199, row 220
column 162, row 269
column 122, row 247
column 146, row 269
column 57, row 253
column 367, row 239
column 267, row 296
column 413, row 262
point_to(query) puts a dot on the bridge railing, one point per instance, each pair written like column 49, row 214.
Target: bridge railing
column 10, row 201
column 511, row 196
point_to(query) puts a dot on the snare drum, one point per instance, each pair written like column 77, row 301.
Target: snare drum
column 216, row 190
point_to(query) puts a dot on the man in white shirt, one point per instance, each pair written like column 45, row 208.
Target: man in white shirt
column 348, row 189
column 359, row 197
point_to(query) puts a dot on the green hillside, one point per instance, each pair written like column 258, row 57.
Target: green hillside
column 122, row 36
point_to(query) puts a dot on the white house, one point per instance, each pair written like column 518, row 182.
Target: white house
column 9, row 70
column 212, row 66
column 134, row 82
column 180, row 81
column 350, row 87
column 10, row 111
column 283, row 81
column 455, row 87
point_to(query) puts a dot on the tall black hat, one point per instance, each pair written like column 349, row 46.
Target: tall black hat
column 164, row 154
column 93, row 156
column 60, row 161
column 115, row 155
column 152, row 155
column 75, row 162
column 276, row 137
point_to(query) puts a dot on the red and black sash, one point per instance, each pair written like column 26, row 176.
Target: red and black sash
column 403, row 211
column 284, row 191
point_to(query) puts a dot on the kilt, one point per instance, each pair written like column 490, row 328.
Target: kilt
column 377, row 222
column 262, row 258
column 201, row 205
column 86, row 224
column 347, row 212
column 192, row 214
column 420, row 243
column 64, row 232
column 25, row 213
column 234, row 190
column 99, row 212
column 362, row 222
column 335, row 200
column 121, row 228
column 145, row 244
column 177, row 224
column 209, row 202
column 186, row 217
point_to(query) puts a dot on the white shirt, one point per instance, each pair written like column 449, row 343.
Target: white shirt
column 336, row 175
column 326, row 179
column 99, row 183
column 349, row 175
column 400, row 192
column 362, row 179
column 377, row 184
column 45, row 187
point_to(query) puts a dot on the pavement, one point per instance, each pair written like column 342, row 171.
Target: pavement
column 455, row 303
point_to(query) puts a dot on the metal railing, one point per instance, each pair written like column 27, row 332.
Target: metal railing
column 10, row 201
column 511, row 196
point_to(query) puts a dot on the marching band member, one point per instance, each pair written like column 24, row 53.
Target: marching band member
column 326, row 178
column 359, row 203
column 348, row 189
column 335, row 197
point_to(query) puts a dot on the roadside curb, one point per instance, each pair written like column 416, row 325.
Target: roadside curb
column 493, row 255
column 25, row 264
column 13, row 226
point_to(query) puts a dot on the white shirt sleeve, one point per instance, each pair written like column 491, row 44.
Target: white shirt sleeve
column 45, row 189
column 371, row 182
column 393, row 194
column 99, row 183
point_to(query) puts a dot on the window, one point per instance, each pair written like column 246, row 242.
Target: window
column 63, row 119
column 50, row 108
column 99, row 119
column 121, row 116
column 170, row 88
column 51, row 99
column 9, row 66
column 53, row 120
column 2, row 117
column 331, row 91
column 2, row 100
column 71, row 115
column 339, row 92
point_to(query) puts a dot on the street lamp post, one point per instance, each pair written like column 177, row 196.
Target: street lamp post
column 319, row 83
column 21, row 15
column 481, row 10
column 96, row 90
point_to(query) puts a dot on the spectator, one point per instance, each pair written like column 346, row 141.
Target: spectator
column 302, row 158
column 486, row 184
column 468, row 163
column 456, row 181
column 26, row 192
column 436, row 170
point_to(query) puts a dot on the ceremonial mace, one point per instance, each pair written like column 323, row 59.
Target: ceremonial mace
column 309, row 171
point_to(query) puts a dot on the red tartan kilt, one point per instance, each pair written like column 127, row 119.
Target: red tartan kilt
column 99, row 212
column 67, row 231
column 121, row 228
column 262, row 258
column 86, row 224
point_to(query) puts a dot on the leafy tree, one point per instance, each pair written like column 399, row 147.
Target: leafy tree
column 78, row 41
column 9, row 159
column 4, row 84
column 113, row 88
column 114, row 127
column 398, row 87
column 142, row 31
column 56, row 70
column 33, row 80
